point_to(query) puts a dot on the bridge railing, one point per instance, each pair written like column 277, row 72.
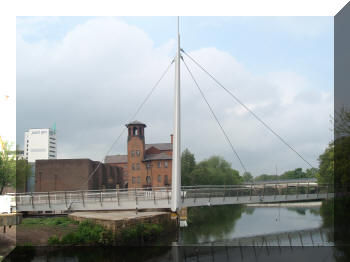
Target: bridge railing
column 92, row 196
column 67, row 198
column 268, row 189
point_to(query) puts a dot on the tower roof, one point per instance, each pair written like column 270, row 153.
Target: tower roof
column 136, row 123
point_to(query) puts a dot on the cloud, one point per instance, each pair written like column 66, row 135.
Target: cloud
column 92, row 80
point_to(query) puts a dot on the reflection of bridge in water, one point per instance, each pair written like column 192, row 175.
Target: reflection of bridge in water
column 160, row 197
column 272, row 247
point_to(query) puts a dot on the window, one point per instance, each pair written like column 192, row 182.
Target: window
column 138, row 152
column 159, row 164
column 148, row 166
column 137, row 166
column 133, row 180
column 166, row 164
column 140, row 129
column 148, row 180
column 35, row 132
column 43, row 132
column 132, row 153
column 133, row 166
column 135, row 131
column 166, row 182
column 159, row 178
column 138, row 180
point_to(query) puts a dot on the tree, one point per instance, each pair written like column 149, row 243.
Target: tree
column 23, row 172
column 326, row 166
column 215, row 171
column 188, row 163
column 342, row 123
column 334, row 163
column 7, row 168
column 247, row 177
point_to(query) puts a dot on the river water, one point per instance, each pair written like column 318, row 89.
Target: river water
column 247, row 233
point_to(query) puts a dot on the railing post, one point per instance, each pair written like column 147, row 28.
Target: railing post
column 48, row 198
column 223, row 200
column 251, row 191
column 32, row 198
column 118, row 196
column 287, row 191
column 297, row 189
column 183, row 195
column 82, row 196
column 65, row 198
column 317, row 190
column 135, row 196
column 237, row 194
column 167, row 194
column 101, row 199
column 307, row 194
column 195, row 194
column 275, row 191
column 263, row 195
column 154, row 196
column 209, row 195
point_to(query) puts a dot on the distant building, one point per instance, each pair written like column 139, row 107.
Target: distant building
column 40, row 143
column 145, row 165
column 76, row 174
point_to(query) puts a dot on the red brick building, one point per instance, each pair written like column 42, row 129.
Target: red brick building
column 76, row 174
column 145, row 165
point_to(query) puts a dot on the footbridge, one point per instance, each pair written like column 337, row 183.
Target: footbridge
column 160, row 197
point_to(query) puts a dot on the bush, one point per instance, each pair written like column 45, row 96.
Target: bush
column 140, row 233
column 54, row 240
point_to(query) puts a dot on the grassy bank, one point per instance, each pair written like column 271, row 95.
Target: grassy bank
column 62, row 231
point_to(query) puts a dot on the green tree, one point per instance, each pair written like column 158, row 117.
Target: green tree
column 326, row 166
column 188, row 164
column 7, row 168
column 247, row 177
column 265, row 177
column 342, row 123
column 215, row 171
column 23, row 172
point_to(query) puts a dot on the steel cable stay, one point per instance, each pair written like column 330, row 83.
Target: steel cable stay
column 216, row 119
column 130, row 119
column 248, row 109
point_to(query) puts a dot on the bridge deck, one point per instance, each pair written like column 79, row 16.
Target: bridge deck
column 157, row 198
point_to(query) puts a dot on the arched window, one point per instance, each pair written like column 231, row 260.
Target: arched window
column 140, row 131
column 135, row 131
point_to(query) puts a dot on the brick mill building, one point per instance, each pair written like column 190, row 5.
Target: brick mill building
column 145, row 165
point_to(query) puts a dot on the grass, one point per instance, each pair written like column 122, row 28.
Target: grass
column 49, row 222
column 87, row 233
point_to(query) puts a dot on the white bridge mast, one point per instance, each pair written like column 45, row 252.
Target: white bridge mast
column 176, row 165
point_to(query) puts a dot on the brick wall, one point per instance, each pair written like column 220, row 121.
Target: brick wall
column 72, row 174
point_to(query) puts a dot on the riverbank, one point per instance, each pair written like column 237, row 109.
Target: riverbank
column 97, row 228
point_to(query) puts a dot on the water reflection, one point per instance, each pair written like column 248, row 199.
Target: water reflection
column 210, row 224
column 175, row 254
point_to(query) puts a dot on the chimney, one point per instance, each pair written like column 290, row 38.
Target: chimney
column 171, row 138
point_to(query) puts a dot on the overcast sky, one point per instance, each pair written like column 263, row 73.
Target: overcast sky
column 89, row 74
